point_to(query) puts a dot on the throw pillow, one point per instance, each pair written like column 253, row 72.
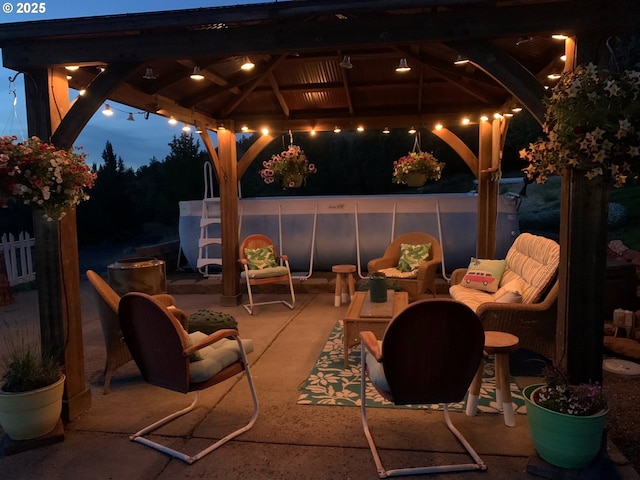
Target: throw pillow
column 411, row 256
column 260, row 258
column 510, row 292
column 484, row 274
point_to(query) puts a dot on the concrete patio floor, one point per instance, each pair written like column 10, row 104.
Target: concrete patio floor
column 288, row 441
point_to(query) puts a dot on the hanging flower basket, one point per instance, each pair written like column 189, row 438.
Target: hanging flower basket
column 289, row 168
column 37, row 173
column 416, row 168
column 592, row 123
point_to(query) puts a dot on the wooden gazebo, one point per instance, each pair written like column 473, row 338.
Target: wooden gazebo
column 319, row 65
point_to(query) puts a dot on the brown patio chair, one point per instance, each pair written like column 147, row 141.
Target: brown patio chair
column 424, row 282
column 259, row 259
column 170, row 358
column 429, row 354
column 107, row 301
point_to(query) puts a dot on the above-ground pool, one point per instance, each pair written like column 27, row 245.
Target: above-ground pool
column 318, row 232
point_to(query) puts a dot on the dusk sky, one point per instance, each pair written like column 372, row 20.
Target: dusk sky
column 136, row 142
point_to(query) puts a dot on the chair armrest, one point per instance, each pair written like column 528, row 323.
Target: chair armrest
column 457, row 275
column 210, row 339
column 370, row 342
column 427, row 277
column 165, row 299
column 380, row 263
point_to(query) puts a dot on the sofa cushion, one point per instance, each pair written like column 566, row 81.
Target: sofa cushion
column 484, row 274
column 213, row 358
column 471, row 297
column 534, row 260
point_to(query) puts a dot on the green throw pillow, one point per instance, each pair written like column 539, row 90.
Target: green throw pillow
column 484, row 275
column 411, row 256
column 260, row 258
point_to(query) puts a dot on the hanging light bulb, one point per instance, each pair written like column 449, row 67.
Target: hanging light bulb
column 337, row 129
column 196, row 75
column 148, row 74
column 412, row 130
column 403, row 66
column 186, row 128
column 386, row 130
column 172, row 121
column 247, row 64
column 107, row 110
column 130, row 117
column 360, row 128
column 72, row 68
column 346, row 62
column 265, row 131
column 244, row 128
column 461, row 60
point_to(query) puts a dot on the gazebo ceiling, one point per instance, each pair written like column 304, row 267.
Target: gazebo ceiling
column 297, row 48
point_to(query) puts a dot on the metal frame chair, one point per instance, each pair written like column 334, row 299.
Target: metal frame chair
column 107, row 301
column 265, row 276
column 159, row 346
column 430, row 353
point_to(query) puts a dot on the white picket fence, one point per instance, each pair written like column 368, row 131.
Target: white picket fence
column 18, row 257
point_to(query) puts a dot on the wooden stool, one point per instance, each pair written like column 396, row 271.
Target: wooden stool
column 499, row 344
column 344, row 278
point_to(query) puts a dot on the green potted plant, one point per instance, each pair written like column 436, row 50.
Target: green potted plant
column 416, row 168
column 31, row 388
column 289, row 168
column 566, row 421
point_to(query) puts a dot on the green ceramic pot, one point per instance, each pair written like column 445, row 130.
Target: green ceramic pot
column 566, row 441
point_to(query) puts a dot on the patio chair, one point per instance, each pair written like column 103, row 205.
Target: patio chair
column 259, row 259
column 107, row 301
column 429, row 354
column 419, row 281
column 170, row 358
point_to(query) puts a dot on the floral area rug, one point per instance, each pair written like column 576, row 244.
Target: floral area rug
column 329, row 383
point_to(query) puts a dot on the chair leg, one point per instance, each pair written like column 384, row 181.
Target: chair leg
column 139, row 438
column 382, row 472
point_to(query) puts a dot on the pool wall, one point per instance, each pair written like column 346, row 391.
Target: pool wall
column 355, row 229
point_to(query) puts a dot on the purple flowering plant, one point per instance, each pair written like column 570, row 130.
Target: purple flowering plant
column 559, row 396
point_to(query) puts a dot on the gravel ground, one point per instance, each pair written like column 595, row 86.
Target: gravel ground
column 623, row 422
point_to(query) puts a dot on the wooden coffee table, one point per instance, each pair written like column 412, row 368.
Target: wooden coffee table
column 362, row 315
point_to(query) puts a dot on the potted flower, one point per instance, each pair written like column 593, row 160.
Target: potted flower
column 566, row 421
column 37, row 173
column 31, row 391
column 416, row 168
column 592, row 123
column 290, row 168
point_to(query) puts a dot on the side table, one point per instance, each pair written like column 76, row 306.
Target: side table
column 356, row 320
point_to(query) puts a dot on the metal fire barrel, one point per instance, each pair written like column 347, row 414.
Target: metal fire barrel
column 146, row 275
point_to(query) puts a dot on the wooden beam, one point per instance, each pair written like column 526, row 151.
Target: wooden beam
column 85, row 106
column 459, row 147
column 507, row 72
column 278, row 95
column 253, row 151
column 23, row 47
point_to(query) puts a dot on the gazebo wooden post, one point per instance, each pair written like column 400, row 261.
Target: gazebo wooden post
column 56, row 252
column 583, row 237
column 231, row 294
column 487, row 194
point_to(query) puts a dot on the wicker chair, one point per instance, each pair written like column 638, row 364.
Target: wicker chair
column 429, row 354
column 424, row 283
column 107, row 301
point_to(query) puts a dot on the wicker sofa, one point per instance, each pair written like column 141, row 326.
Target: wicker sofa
column 532, row 263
